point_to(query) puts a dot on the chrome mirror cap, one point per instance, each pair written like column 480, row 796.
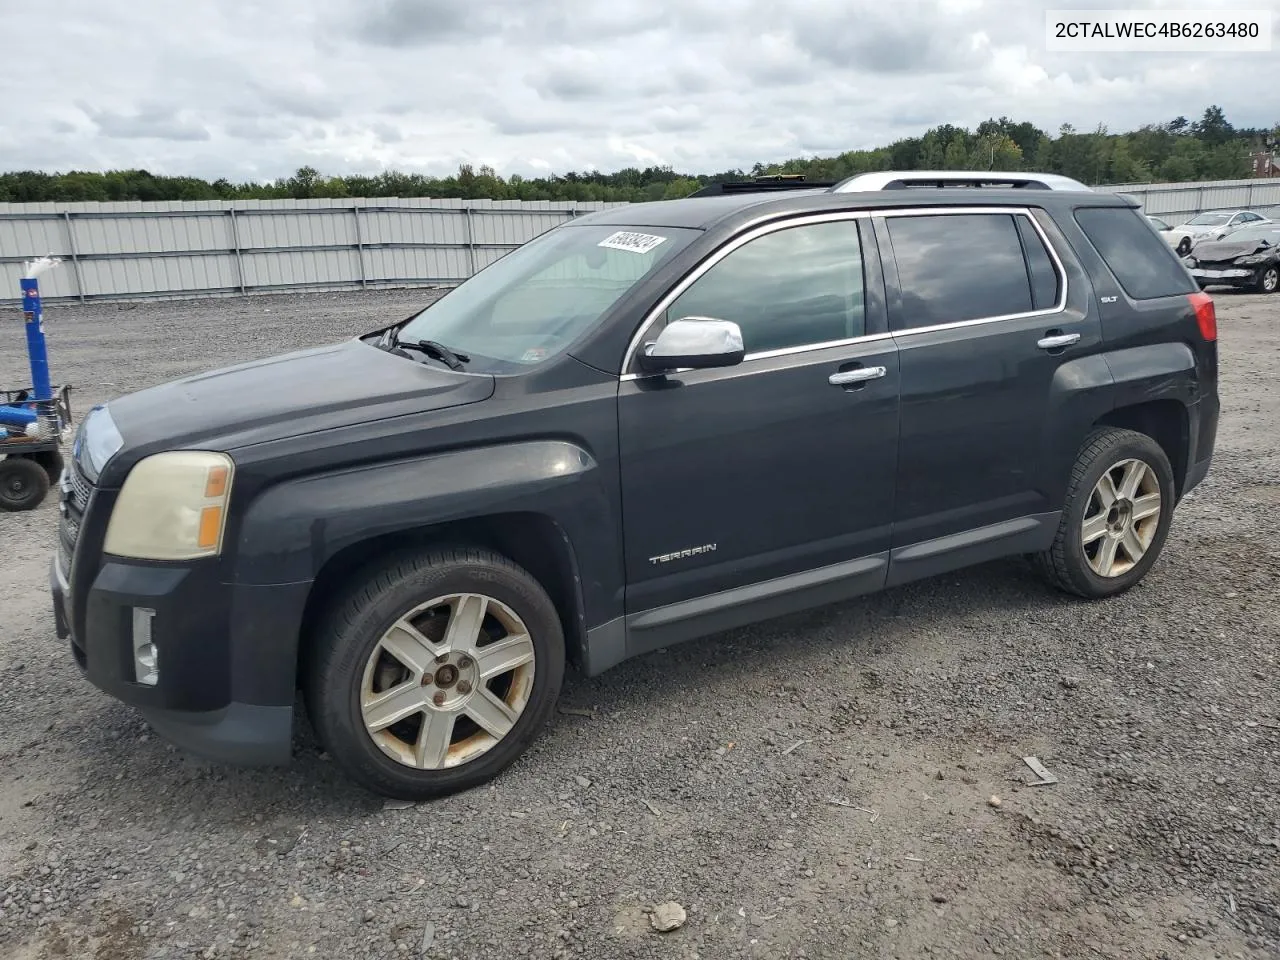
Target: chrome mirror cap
column 694, row 343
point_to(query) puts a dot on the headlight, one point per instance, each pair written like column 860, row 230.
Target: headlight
column 173, row 507
column 97, row 442
column 1253, row 259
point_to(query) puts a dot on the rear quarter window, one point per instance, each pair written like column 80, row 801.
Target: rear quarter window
column 1141, row 260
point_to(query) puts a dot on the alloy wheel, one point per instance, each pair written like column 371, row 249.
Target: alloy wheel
column 447, row 681
column 1121, row 519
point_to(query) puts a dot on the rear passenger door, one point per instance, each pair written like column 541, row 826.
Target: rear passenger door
column 977, row 307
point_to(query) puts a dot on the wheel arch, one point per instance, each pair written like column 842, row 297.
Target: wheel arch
column 1167, row 422
column 534, row 541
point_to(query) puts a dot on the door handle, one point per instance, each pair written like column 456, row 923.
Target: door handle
column 1057, row 341
column 858, row 375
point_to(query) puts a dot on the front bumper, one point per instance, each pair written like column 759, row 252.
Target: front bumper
column 1234, row 275
column 227, row 654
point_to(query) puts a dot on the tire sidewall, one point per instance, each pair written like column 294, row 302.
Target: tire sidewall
column 1131, row 446
column 37, row 484
column 335, row 699
column 1262, row 279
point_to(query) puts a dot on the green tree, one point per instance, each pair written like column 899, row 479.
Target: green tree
column 1213, row 127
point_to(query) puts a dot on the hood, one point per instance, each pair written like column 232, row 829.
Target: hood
column 302, row 392
column 1227, row 249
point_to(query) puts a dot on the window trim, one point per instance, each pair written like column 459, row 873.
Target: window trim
column 1059, row 306
column 655, row 313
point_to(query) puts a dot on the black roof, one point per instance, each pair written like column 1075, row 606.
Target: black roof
column 702, row 213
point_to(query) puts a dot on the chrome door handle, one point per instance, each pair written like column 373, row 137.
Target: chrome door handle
column 858, row 375
column 1058, row 341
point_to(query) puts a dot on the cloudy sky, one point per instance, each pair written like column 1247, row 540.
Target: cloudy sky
column 253, row 89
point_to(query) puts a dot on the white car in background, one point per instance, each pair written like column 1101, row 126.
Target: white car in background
column 1211, row 225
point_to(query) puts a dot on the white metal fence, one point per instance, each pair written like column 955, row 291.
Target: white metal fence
column 1179, row 202
column 210, row 248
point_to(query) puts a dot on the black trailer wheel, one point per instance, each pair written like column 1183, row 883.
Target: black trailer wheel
column 23, row 484
column 51, row 461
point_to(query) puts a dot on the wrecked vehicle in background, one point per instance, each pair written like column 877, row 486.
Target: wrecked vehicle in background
column 1248, row 258
column 1211, row 225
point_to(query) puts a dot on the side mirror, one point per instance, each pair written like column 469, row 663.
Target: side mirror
column 694, row 343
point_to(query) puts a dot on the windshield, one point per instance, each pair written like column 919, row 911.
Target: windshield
column 1209, row 220
column 539, row 298
column 1270, row 234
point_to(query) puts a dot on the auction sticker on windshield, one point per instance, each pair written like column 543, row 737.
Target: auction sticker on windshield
column 631, row 242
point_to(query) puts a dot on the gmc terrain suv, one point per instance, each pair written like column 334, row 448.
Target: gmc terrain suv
column 650, row 424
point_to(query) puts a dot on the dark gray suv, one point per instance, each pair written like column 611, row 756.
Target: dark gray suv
column 650, row 424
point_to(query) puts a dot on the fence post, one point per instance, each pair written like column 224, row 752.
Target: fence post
column 75, row 257
column 235, row 245
column 470, row 240
column 355, row 209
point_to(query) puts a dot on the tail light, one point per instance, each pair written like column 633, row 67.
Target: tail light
column 1206, row 316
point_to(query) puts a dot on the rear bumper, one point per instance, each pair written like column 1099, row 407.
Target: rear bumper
column 226, row 654
column 1204, row 436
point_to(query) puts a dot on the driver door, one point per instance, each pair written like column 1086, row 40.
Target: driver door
column 767, row 486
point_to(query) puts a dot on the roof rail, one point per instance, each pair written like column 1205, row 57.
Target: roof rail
column 770, row 182
column 926, row 179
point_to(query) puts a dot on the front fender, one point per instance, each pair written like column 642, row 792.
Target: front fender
column 290, row 530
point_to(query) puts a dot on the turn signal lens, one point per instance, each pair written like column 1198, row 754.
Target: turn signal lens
column 1206, row 315
column 215, row 485
column 210, row 528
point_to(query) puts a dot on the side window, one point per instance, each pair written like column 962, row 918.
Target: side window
column 1144, row 264
column 1044, row 278
column 790, row 288
column 955, row 267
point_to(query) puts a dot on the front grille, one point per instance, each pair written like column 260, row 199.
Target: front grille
column 75, row 491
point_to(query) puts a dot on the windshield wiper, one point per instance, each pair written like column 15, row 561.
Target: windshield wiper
column 437, row 350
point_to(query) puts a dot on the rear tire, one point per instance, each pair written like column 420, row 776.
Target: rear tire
column 1103, row 548
column 434, row 672
column 23, row 484
column 1268, row 280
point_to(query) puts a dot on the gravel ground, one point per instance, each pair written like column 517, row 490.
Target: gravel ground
column 818, row 786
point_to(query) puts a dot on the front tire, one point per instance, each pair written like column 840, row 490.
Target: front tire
column 1116, row 518
column 1268, row 280
column 434, row 672
column 1184, row 246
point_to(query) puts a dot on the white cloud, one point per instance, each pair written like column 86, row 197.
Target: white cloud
column 254, row 88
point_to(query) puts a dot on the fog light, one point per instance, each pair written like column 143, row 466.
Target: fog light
column 146, row 666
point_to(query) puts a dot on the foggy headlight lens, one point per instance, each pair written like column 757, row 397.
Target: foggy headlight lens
column 173, row 507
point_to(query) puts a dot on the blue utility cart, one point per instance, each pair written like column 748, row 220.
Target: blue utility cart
column 35, row 420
